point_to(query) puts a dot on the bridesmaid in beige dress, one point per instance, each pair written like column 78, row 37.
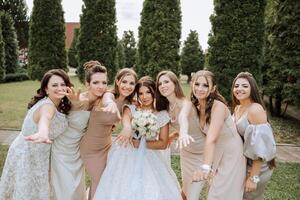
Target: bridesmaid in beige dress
column 252, row 124
column 67, row 170
column 97, row 140
column 223, row 162
column 184, row 119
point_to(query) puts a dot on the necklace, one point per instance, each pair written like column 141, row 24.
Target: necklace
column 171, row 108
column 172, row 115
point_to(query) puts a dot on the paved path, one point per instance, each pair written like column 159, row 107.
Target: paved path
column 285, row 152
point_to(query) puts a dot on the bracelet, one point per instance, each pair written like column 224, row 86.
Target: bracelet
column 205, row 168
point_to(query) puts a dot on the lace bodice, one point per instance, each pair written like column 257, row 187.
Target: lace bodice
column 57, row 126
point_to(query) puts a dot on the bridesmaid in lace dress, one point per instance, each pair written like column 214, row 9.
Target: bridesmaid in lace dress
column 223, row 150
column 97, row 140
column 67, row 171
column 185, row 121
column 26, row 171
column 252, row 124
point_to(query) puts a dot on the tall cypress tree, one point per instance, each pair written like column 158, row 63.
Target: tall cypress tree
column 192, row 57
column 98, row 35
column 10, row 44
column 283, row 55
column 72, row 52
column 47, row 38
column 2, row 70
column 129, row 43
column 18, row 11
column 236, row 40
column 120, row 58
column 159, row 37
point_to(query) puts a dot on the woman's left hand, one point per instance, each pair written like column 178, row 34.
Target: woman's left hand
column 135, row 143
column 250, row 186
column 112, row 108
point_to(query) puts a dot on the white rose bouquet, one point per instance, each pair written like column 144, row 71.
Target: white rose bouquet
column 145, row 124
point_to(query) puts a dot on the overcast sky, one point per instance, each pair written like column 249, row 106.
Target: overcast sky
column 195, row 16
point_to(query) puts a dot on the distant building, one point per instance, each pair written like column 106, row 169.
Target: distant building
column 70, row 26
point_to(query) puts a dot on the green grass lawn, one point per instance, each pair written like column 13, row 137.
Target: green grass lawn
column 285, row 182
column 14, row 98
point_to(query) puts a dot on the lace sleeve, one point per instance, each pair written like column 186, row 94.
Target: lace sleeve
column 163, row 118
column 259, row 142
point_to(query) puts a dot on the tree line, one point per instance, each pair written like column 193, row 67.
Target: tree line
column 259, row 36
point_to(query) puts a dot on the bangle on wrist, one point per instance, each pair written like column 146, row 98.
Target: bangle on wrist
column 205, row 168
column 254, row 179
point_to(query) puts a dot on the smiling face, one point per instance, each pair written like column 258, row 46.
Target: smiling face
column 126, row 85
column 145, row 97
column 241, row 89
column 98, row 84
column 55, row 88
column 202, row 87
column 165, row 86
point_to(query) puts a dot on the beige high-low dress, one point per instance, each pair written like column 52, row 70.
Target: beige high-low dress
column 229, row 164
column 191, row 157
column 95, row 144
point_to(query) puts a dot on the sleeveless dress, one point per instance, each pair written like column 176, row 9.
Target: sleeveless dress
column 67, row 171
column 229, row 164
column 191, row 156
column 25, row 174
column 259, row 143
column 135, row 174
column 95, row 145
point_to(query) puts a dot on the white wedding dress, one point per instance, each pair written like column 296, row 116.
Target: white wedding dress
column 138, row 174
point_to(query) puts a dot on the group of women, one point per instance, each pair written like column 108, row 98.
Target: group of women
column 66, row 132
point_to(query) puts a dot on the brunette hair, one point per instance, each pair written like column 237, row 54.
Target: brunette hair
column 65, row 104
column 254, row 91
column 119, row 76
column 254, row 96
column 162, row 102
column 214, row 95
column 148, row 82
column 92, row 67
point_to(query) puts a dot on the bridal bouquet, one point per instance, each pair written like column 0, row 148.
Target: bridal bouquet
column 145, row 124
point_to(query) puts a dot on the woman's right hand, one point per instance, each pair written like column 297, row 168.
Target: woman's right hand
column 72, row 95
column 184, row 140
column 38, row 138
column 124, row 138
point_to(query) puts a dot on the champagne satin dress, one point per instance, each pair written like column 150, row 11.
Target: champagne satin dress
column 95, row 144
column 191, row 156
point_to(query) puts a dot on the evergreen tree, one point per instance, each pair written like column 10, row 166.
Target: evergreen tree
column 192, row 57
column 159, row 37
column 18, row 11
column 236, row 40
column 2, row 69
column 129, row 43
column 10, row 44
column 72, row 52
column 47, row 38
column 283, row 55
column 120, row 58
column 98, row 35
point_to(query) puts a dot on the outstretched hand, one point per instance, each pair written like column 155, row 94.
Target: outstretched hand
column 184, row 140
column 124, row 138
column 112, row 108
column 38, row 138
column 199, row 175
column 71, row 94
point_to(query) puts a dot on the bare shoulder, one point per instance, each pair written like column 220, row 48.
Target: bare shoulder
column 186, row 103
column 257, row 114
column 218, row 105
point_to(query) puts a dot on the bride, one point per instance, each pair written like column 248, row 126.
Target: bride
column 140, row 171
